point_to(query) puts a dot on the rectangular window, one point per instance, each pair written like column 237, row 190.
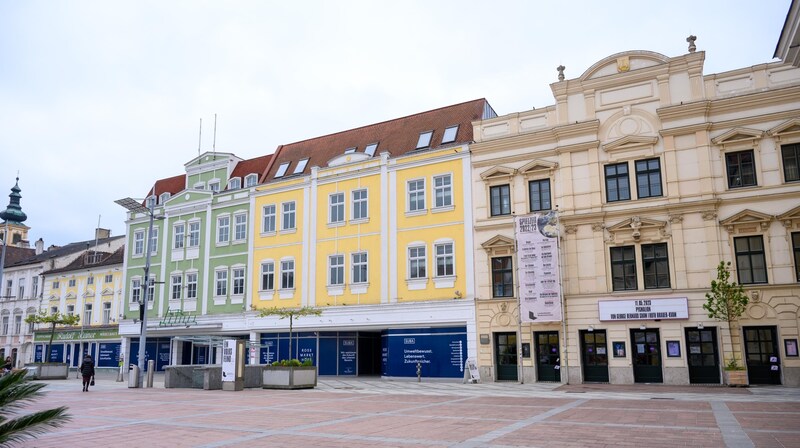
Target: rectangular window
column 416, row 195
column 359, row 263
column 151, row 288
column 178, row 236
column 539, row 194
column 21, row 288
column 287, row 274
column 70, row 283
column 223, row 229
column 191, row 286
column 796, row 248
column 251, row 180
column 360, row 210
column 138, row 242
column 213, row 186
column 655, row 264
column 444, row 260
column 267, row 276
column 450, row 134
column 370, row 149
column 500, row 200
column 54, row 310
column 443, row 190
column 56, row 285
column 502, row 277
column 239, row 227
column 9, row 287
column 617, row 186
column 424, row 139
column 417, row 262
column 268, row 219
column 751, row 263
column 109, row 278
column 648, row 178
column 5, row 325
column 301, row 165
column 175, row 286
column 87, row 314
column 153, row 241
column 194, row 234
column 791, row 162
column 336, row 270
column 282, row 169
column 106, row 313
column 741, row 169
column 234, row 184
column 623, row 268
column 90, row 281
column 136, row 290
column 35, row 287
column 17, row 324
column 287, row 220
column 238, row 281
column 221, row 288
column 336, row 208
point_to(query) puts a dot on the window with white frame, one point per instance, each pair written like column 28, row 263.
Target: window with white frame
column 175, row 286
column 70, row 283
column 178, row 235
column 221, row 283
column 450, row 134
column 235, row 183
column 87, row 313
column 251, row 180
column 416, row 195
column 239, row 226
column 163, row 198
column 21, row 288
column 9, row 287
column 136, row 290
column 18, row 324
column 191, row 285
column 417, row 262
column 238, row 281
column 336, row 208
column 138, row 242
column 34, row 287
column 336, row 270
column 109, row 278
column 106, row 313
column 90, row 280
column 267, row 276
column 268, row 219
column 359, row 263
column 151, row 288
column 5, row 325
column 154, row 241
column 70, row 310
column 287, row 274
column 282, row 169
column 213, row 186
column 151, row 202
column 288, row 217
column 360, row 204
column 444, row 260
column 194, row 234
column 223, row 229
column 443, row 191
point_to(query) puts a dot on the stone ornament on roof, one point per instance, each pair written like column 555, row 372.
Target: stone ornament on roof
column 692, row 46
column 560, row 69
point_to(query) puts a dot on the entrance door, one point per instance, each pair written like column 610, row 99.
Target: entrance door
column 505, row 350
column 763, row 361
column 646, row 351
column 547, row 356
column 594, row 356
column 701, row 349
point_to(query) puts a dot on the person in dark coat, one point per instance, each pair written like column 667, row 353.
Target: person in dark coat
column 87, row 370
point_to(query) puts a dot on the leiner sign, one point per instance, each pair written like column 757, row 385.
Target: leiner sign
column 77, row 335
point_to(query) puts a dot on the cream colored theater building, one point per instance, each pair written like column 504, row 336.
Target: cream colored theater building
column 658, row 172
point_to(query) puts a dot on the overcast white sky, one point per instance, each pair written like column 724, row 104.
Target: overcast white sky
column 100, row 98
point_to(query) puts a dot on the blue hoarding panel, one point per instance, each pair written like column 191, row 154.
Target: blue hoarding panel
column 307, row 348
column 269, row 350
column 56, row 353
column 163, row 355
column 37, row 354
column 156, row 349
column 347, row 356
column 441, row 353
column 327, row 355
column 108, row 354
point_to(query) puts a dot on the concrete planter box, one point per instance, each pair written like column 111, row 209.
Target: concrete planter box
column 736, row 378
column 48, row 370
column 208, row 377
column 280, row 377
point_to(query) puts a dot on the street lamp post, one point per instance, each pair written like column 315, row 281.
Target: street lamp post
column 136, row 207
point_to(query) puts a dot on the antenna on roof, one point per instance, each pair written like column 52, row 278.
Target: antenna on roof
column 200, row 137
column 97, row 233
column 214, row 144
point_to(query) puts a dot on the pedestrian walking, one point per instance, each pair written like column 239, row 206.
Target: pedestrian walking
column 87, row 370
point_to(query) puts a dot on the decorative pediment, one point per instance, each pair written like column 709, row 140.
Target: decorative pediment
column 786, row 129
column 791, row 218
column 88, row 293
column 107, row 292
column 538, row 167
column 352, row 157
column 498, row 172
column 499, row 245
column 70, row 295
column 630, row 142
column 53, row 297
column 738, row 135
column 747, row 221
column 637, row 228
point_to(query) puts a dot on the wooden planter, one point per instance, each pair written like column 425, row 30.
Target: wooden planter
column 736, row 378
column 280, row 377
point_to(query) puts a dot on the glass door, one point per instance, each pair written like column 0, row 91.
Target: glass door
column 505, row 352
column 763, row 359
column 594, row 356
column 547, row 356
column 646, row 356
column 701, row 351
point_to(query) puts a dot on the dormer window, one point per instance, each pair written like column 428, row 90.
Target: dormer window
column 163, row 198
column 350, row 150
column 282, row 169
column 450, row 134
column 301, row 165
column 235, row 183
column 370, row 149
column 251, row 180
column 151, row 202
column 200, row 186
column 214, row 186
column 424, row 139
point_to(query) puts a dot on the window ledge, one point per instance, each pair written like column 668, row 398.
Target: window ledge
column 359, row 288
column 447, row 208
column 359, row 221
column 222, row 244
column 137, row 256
column 444, row 282
column 237, row 299
column 242, row 241
column 266, row 295
column 190, row 305
column 415, row 284
column 266, row 234
column 422, row 212
column 286, row 293
column 288, row 231
column 335, row 290
column 336, row 224
column 220, row 300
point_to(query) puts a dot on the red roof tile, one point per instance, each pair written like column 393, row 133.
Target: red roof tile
column 172, row 185
column 251, row 166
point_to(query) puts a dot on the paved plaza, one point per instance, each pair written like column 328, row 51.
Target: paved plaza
column 358, row 413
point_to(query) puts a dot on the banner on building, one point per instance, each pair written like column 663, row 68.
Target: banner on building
column 537, row 267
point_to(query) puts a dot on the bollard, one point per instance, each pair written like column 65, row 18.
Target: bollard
column 151, row 366
column 419, row 372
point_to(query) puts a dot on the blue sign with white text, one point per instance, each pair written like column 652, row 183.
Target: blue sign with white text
column 440, row 352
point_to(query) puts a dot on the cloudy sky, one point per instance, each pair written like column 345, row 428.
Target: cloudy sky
column 100, row 98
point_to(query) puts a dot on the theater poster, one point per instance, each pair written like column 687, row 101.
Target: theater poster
column 537, row 267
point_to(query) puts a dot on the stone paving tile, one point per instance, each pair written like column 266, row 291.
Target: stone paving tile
column 764, row 440
column 653, row 388
column 685, row 418
column 657, row 405
column 133, row 435
column 772, row 420
column 520, row 401
column 294, row 441
column 493, row 412
column 265, row 419
column 453, row 430
column 765, row 407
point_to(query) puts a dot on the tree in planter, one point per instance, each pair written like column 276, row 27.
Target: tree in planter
column 291, row 314
column 15, row 392
column 726, row 302
column 52, row 320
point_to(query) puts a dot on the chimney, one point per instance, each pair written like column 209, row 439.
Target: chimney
column 102, row 233
column 39, row 246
